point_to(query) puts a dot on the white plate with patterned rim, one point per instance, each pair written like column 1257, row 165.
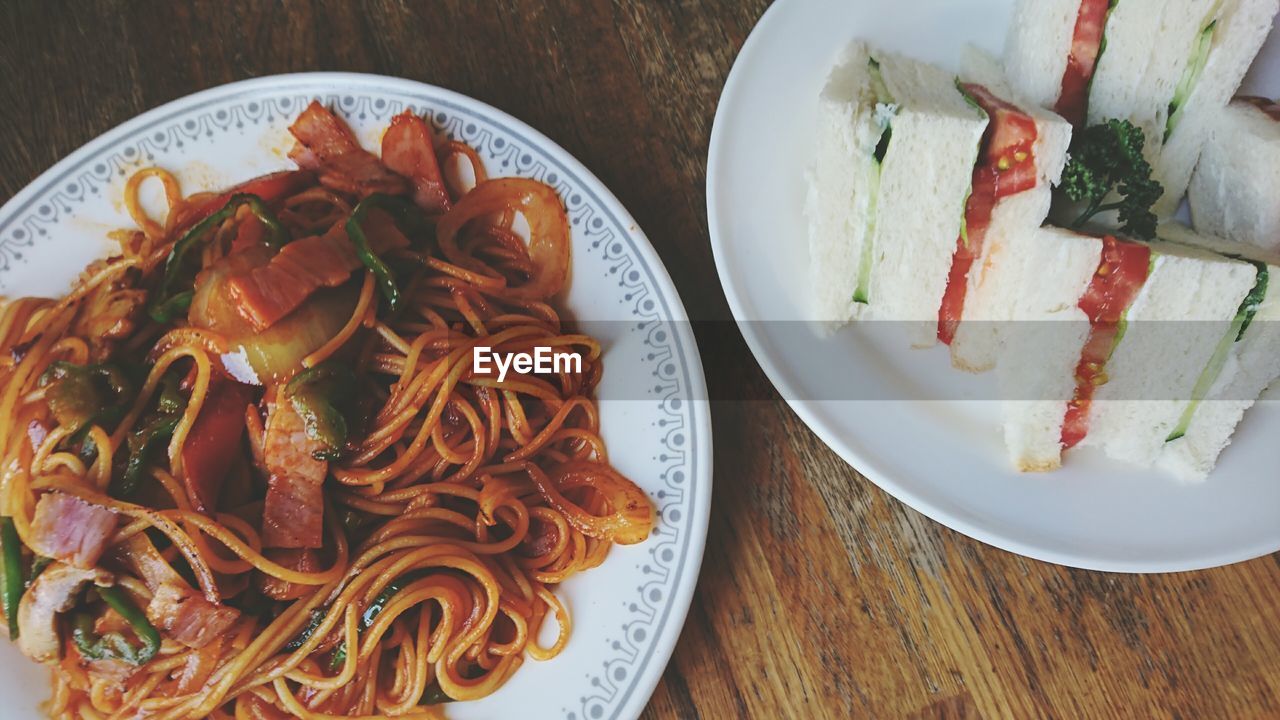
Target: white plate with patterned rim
column 926, row 434
column 626, row 614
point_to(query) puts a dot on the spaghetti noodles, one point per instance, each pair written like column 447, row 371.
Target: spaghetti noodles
column 250, row 472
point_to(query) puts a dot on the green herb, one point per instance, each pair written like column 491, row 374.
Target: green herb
column 1108, row 158
column 173, row 297
column 113, row 645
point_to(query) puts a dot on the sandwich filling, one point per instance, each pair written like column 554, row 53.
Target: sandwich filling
column 1195, row 68
column 1121, row 273
column 1087, row 44
column 884, row 116
column 1244, row 317
column 1006, row 166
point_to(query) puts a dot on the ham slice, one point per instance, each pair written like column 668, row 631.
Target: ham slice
column 407, row 148
column 71, row 530
column 329, row 147
column 188, row 618
column 293, row 513
column 264, row 295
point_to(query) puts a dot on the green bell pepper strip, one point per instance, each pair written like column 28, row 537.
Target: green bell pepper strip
column 114, row 646
column 318, row 396
column 38, row 564
column 81, row 396
column 179, row 269
column 142, row 441
column 317, row 615
column 405, row 215
column 14, row 582
column 375, row 609
column 434, row 695
column 76, row 396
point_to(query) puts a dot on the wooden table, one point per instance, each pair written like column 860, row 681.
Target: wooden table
column 820, row 595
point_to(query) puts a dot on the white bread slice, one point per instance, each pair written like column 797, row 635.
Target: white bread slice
column 1173, row 327
column 1041, row 280
column 1233, row 188
column 841, row 179
column 1243, row 26
column 1147, row 45
column 987, row 302
column 924, row 181
column 1252, row 365
column 1037, row 48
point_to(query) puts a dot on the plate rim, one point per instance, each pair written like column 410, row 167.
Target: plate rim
column 639, row 691
column 813, row 414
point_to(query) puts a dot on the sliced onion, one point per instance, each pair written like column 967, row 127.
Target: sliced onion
column 275, row 354
column 548, row 230
column 631, row 517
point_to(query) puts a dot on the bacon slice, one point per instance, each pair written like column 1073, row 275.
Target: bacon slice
column 293, row 513
column 71, row 530
column 407, row 148
column 188, row 618
column 330, row 148
column 264, row 295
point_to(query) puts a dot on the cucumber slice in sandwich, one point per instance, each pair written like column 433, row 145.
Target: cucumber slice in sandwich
column 1140, row 372
column 1195, row 68
column 880, row 243
column 884, row 115
column 1235, row 333
column 1246, row 360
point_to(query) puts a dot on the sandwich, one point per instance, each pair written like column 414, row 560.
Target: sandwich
column 1167, row 66
column 1023, row 154
column 897, row 144
column 919, row 176
column 1233, row 188
column 1246, row 360
column 1108, row 341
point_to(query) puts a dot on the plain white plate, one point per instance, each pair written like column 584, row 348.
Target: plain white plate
column 627, row 614
column 903, row 418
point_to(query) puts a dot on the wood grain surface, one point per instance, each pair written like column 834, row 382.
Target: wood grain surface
column 820, row 595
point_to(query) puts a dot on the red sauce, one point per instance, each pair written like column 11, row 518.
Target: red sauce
column 1121, row 273
column 1266, row 105
column 1006, row 166
column 1086, row 46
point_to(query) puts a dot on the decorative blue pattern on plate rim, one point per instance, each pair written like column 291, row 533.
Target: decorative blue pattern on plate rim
column 508, row 148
